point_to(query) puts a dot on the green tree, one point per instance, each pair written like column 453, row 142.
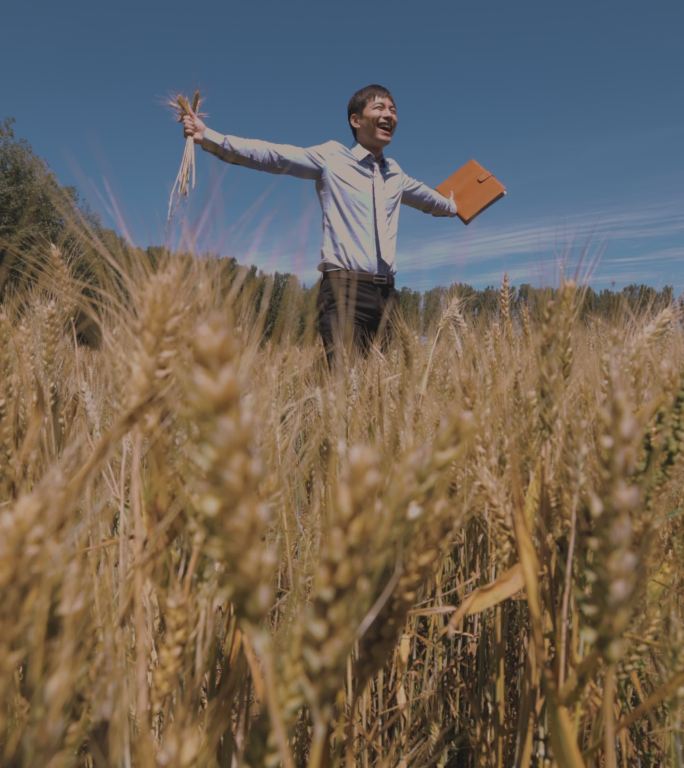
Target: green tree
column 33, row 206
column 432, row 306
column 409, row 305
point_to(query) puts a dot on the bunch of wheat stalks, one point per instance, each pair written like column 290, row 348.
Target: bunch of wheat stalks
column 214, row 552
column 185, row 179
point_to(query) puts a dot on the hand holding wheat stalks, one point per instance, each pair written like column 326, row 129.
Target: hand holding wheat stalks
column 193, row 130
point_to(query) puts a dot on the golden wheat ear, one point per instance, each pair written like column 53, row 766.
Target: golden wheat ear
column 183, row 103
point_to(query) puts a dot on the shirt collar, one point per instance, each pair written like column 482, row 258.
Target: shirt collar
column 361, row 153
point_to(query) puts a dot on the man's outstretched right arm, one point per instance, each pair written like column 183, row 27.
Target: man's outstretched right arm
column 303, row 162
column 306, row 163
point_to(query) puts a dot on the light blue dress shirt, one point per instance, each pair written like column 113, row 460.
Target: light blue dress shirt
column 344, row 184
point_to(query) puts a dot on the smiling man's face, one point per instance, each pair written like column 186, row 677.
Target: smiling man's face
column 376, row 124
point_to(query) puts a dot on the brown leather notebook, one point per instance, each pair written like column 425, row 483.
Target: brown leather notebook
column 474, row 188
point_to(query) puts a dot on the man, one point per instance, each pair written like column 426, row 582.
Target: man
column 359, row 190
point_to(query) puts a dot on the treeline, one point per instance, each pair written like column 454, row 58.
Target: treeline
column 286, row 307
column 424, row 309
column 35, row 211
column 288, row 299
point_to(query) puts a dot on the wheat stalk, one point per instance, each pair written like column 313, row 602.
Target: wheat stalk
column 185, row 179
column 231, row 557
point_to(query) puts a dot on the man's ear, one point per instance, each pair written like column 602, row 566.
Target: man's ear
column 354, row 120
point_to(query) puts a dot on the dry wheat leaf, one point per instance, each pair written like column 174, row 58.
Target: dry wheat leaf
column 529, row 563
column 532, row 496
column 510, row 582
column 563, row 739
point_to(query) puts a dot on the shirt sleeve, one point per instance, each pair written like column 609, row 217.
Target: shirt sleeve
column 303, row 162
column 424, row 198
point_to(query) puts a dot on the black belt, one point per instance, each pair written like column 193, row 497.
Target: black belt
column 363, row 277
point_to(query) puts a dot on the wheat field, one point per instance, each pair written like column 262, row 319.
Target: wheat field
column 462, row 550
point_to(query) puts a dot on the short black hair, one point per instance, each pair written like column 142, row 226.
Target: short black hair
column 360, row 99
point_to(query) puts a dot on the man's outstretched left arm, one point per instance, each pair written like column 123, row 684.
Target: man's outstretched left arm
column 424, row 198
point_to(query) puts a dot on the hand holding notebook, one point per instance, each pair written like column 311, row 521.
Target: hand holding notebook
column 474, row 189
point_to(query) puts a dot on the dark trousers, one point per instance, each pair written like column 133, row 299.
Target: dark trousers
column 352, row 313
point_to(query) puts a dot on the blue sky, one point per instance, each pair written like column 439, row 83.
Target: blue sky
column 577, row 107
